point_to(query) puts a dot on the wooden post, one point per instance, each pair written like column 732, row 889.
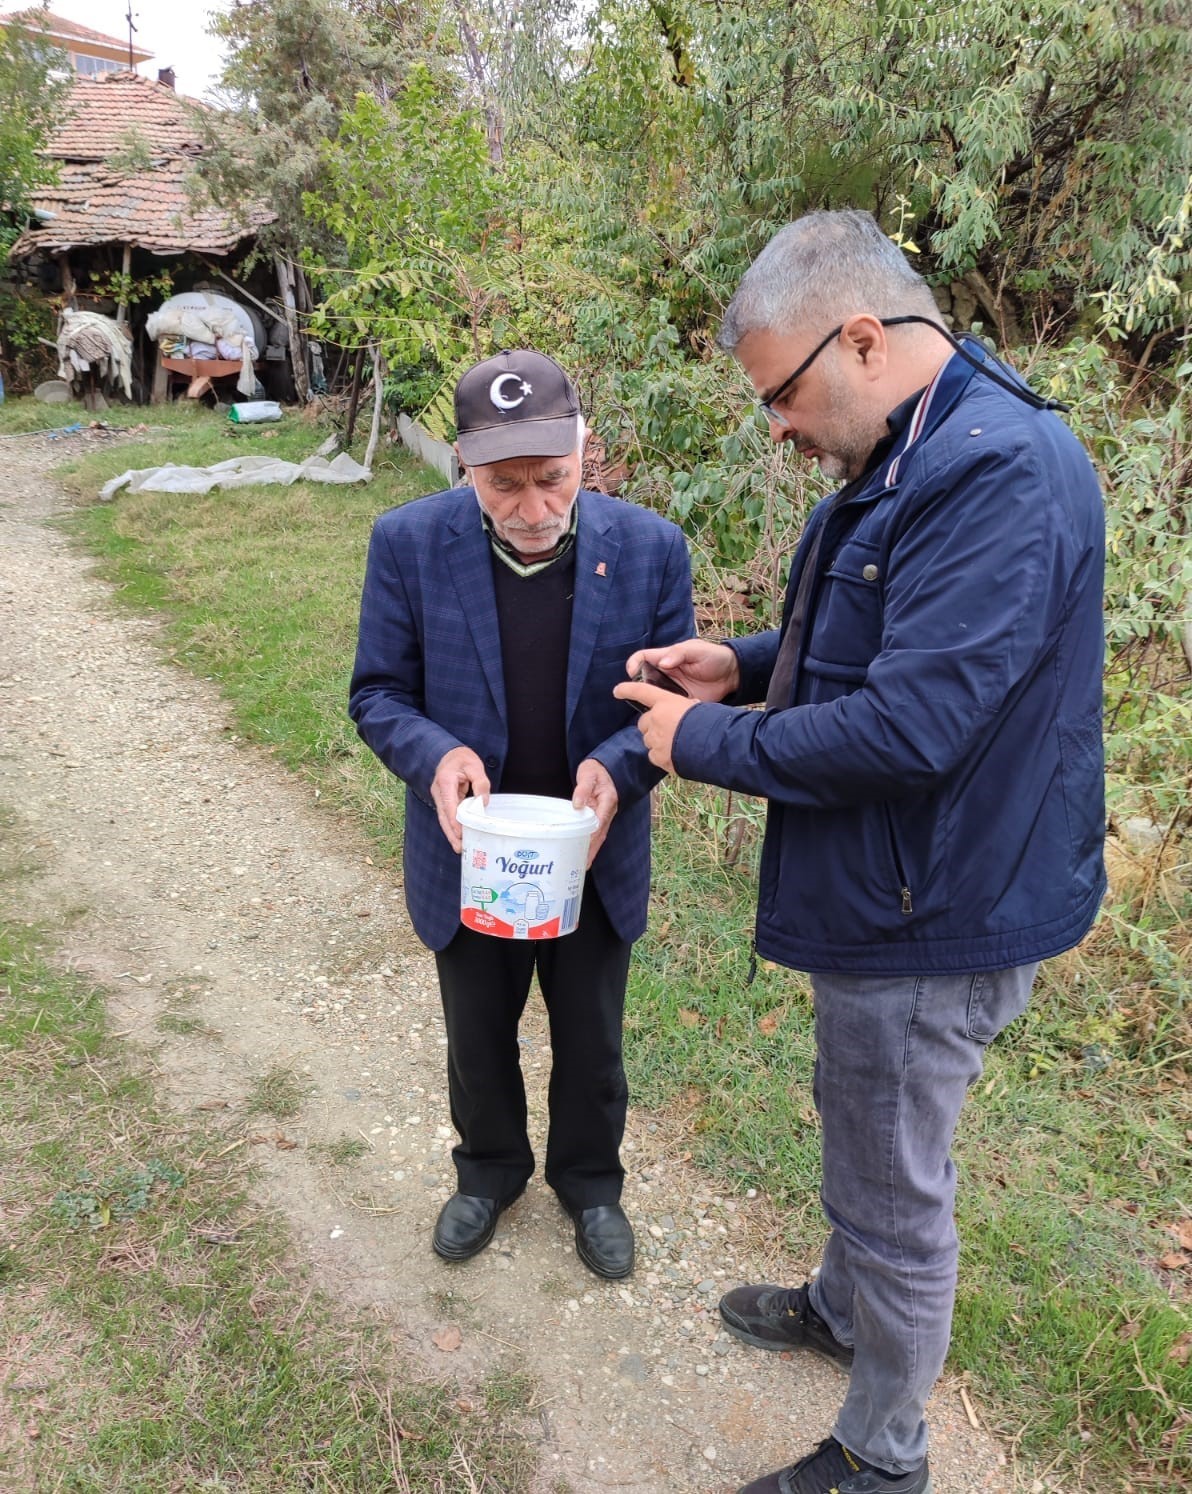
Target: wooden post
column 122, row 305
column 161, row 380
column 306, row 305
column 297, row 341
column 68, row 281
column 354, row 396
column 379, row 391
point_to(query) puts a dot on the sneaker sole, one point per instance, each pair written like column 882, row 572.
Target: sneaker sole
column 756, row 1342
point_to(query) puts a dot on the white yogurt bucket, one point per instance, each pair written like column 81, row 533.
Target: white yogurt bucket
column 522, row 867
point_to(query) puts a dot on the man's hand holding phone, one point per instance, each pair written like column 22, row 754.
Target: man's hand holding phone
column 666, row 683
column 650, row 674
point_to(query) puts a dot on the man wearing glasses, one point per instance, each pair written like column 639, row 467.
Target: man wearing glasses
column 930, row 748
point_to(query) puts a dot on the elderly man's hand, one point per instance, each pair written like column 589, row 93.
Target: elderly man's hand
column 459, row 771
column 595, row 789
column 660, row 719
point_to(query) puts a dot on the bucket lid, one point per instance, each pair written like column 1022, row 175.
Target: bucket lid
column 527, row 815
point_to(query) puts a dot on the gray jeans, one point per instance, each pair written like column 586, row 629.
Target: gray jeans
column 894, row 1058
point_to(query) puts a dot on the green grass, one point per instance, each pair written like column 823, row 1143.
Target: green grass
column 1073, row 1151
column 341, row 1152
column 157, row 1333
column 279, row 1093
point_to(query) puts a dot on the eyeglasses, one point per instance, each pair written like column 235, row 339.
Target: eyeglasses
column 766, row 406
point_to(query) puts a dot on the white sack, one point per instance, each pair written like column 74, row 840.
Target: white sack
column 237, row 472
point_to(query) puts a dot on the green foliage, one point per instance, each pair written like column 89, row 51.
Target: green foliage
column 134, row 155
column 97, row 1202
column 407, row 191
column 1046, row 147
column 1143, row 455
column 24, row 319
column 293, row 67
column 128, row 290
column 32, row 96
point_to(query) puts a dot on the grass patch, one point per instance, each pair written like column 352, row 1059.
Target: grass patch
column 341, row 1152
column 508, row 1390
column 179, row 1026
column 157, row 1332
column 279, row 1093
column 1073, row 1149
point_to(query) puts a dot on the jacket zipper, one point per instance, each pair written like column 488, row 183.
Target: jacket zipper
column 907, row 903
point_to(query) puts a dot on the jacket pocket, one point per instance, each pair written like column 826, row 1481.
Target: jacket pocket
column 901, row 880
column 847, row 629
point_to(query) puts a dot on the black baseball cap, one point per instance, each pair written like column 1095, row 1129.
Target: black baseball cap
column 518, row 404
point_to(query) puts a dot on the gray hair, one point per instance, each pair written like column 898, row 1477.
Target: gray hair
column 820, row 269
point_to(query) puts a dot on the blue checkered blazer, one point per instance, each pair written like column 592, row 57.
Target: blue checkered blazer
column 428, row 676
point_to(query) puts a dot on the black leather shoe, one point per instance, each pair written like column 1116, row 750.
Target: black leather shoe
column 467, row 1223
column 604, row 1240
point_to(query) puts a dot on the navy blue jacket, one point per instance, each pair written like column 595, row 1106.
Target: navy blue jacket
column 428, row 676
column 936, row 799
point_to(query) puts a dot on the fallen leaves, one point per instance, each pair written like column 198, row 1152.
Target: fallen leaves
column 1175, row 1260
column 1181, row 1232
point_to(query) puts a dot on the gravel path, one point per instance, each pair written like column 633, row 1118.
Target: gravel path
column 211, row 885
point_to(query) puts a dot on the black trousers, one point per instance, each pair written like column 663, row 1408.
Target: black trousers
column 484, row 983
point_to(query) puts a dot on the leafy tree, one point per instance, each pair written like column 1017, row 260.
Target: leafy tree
column 407, row 189
column 34, row 80
column 1045, row 153
column 294, row 67
column 1048, row 147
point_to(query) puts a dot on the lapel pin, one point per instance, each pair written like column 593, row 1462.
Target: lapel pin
column 601, row 570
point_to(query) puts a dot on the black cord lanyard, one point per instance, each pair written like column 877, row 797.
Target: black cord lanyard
column 1020, row 391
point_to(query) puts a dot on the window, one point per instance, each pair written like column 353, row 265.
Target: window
column 91, row 67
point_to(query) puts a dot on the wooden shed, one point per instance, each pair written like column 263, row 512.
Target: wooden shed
column 126, row 151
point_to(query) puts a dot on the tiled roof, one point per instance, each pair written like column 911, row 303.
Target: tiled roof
column 94, row 203
column 101, row 113
column 36, row 19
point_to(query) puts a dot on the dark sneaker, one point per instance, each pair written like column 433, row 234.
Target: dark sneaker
column 772, row 1317
column 832, row 1469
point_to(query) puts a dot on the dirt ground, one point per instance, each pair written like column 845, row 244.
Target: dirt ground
column 212, row 884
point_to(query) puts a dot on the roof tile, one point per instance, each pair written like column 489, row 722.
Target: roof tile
column 94, row 203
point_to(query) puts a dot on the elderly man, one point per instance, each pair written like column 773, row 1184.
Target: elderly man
column 496, row 619
column 931, row 751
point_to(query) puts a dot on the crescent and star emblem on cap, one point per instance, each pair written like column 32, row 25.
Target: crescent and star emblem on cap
column 502, row 401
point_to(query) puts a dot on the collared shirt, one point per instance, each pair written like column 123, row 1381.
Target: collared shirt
column 508, row 555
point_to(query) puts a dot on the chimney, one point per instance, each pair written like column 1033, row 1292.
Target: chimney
column 166, row 75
